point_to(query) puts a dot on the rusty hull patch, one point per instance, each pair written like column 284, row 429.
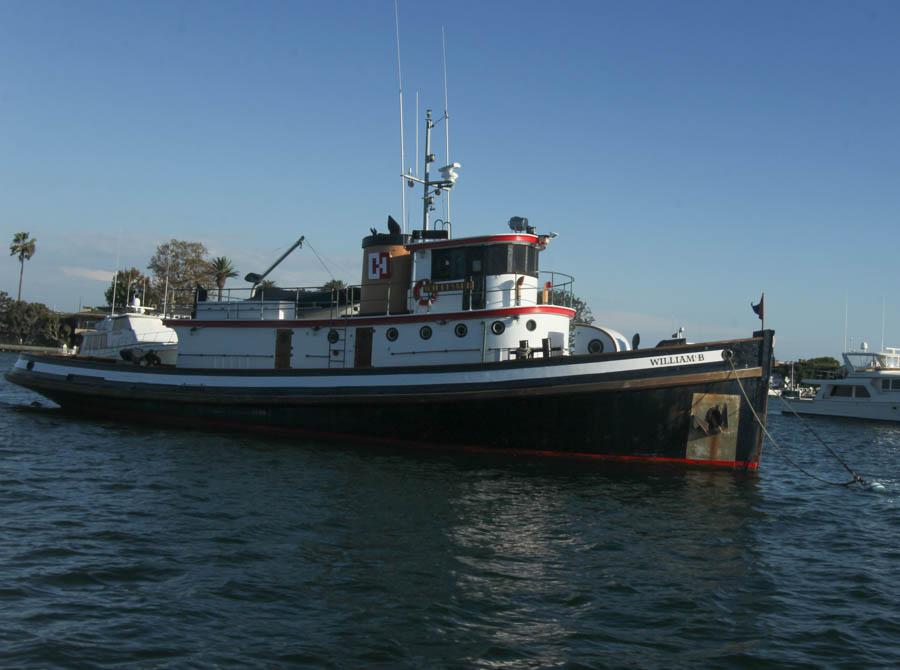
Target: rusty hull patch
column 714, row 427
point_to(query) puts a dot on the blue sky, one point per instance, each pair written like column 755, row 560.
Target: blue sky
column 691, row 155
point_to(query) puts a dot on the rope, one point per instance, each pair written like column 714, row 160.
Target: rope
column 824, row 444
column 316, row 253
column 856, row 478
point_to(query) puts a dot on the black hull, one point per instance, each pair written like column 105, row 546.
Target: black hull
column 696, row 414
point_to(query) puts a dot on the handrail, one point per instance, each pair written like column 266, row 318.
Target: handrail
column 554, row 288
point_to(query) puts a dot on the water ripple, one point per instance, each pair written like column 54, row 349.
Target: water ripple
column 135, row 547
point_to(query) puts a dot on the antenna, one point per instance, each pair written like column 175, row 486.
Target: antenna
column 400, row 81
column 446, row 116
column 446, row 105
column 417, row 133
column 112, row 307
column 166, row 289
column 448, row 172
column 846, row 300
column 410, row 183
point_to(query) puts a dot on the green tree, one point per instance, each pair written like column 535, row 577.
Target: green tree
column 5, row 303
column 181, row 267
column 221, row 269
column 128, row 285
column 30, row 323
column 807, row 368
column 260, row 289
column 582, row 311
column 23, row 247
column 334, row 285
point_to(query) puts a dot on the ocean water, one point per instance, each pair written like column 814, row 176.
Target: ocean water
column 145, row 547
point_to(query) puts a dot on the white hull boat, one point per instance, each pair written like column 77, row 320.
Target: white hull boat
column 134, row 336
column 866, row 387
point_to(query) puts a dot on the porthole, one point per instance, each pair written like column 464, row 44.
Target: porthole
column 425, row 332
column 392, row 334
column 30, row 365
column 460, row 330
column 595, row 347
column 530, row 324
column 497, row 328
column 333, row 336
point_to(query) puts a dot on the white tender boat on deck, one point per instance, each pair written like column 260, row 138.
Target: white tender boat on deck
column 134, row 336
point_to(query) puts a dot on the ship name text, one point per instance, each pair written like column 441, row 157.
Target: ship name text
column 680, row 359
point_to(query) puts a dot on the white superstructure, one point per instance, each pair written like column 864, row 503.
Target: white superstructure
column 422, row 301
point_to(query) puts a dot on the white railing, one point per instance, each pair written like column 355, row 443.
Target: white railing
column 553, row 288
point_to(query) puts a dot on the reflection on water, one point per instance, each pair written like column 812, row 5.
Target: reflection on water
column 559, row 555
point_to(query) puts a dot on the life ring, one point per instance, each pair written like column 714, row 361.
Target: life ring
column 430, row 294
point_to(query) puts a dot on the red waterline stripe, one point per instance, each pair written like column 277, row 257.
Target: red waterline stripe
column 251, row 427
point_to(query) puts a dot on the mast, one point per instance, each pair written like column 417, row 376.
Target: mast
column 433, row 188
column 428, row 200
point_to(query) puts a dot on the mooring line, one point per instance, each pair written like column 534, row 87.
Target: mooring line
column 856, row 478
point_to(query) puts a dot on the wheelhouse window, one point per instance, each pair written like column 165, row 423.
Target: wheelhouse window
column 491, row 259
column 841, row 391
column 862, row 392
column 448, row 264
column 520, row 259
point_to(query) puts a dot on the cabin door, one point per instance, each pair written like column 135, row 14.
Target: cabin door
column 474, row 298
column 283, row 348
column 362, row 351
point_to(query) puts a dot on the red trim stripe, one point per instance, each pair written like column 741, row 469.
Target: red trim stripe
column 465, row 241
column 373, row 320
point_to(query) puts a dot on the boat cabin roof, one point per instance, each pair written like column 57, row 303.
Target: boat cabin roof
column 515, row 238
column 866, row 361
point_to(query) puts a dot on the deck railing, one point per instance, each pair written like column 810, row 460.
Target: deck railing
column 554, row 288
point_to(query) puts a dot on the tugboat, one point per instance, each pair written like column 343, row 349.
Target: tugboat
column 448, row 342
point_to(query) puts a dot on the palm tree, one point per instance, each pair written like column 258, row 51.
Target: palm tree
column 23, row 248
column 334, row 285
column 221, row 268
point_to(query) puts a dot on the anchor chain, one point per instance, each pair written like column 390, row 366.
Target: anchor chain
column 857, row 479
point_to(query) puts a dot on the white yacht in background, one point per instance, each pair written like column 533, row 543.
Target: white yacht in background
column 867, row 386
column 133, row 336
